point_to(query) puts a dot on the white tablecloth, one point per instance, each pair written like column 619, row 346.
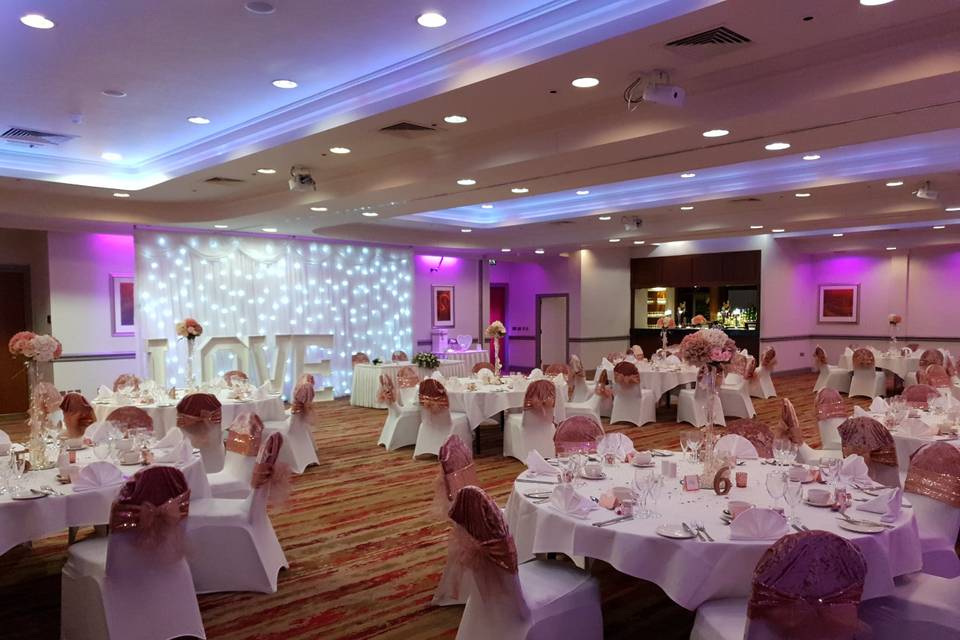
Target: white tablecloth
column 165, row 417
column 25, row 520
column 469, row 357
column 661, row 380
column 366, row 379
column 906, row 444
column 489, row 399
column 689, row 571
column 897, row 364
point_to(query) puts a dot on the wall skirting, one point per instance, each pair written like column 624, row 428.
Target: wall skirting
column 92, row 357
column 602, row 339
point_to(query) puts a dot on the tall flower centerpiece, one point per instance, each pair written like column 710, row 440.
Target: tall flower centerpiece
column 35, row 349
column 496, row 331
column 710, row 350
column 189, row 330
column 665, row 323
column 894, row 320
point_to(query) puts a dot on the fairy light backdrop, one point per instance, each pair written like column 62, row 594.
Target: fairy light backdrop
column 250, row 285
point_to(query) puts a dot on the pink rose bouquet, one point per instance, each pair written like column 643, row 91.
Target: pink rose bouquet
column 189, row 328
column 666, row 322
column 32, row 346
column 707, row 347
column 894, row 319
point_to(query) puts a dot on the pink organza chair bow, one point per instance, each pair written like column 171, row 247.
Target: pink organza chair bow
column 790, row 422
column 866, row 437
column 935, row 473
column 151, row 504
column 199, row 416
column 269, row 474
column 399, row 356
column 245, row 435
column 407, row 377
column 303, row 395
column 935, row 376
column 919, row 395
column 864, row 359
column 235, row 376
column 768, row 359
column 47, row 397
column 737, row 365
column 307, row 378
column 557, row 369
column 126, row 418
column 602, row 388
column 360, row 358
column 541, row 396
column 577, row 433
column 751, row 373
column 386, row 392
column 433, row 395
column 125, row 380
column 478, row 367
column 759, row 435
column 77, row 414
column 929, row 357
column 626, row 374
column 456, row 471
column 637, row 351
column 819, row 357
column 577, row 389
column 829, row 404
column 807, row 586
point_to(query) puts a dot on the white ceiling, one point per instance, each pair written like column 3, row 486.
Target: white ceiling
column 874, row 90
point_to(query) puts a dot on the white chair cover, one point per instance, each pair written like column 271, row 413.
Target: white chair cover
column 437, row 422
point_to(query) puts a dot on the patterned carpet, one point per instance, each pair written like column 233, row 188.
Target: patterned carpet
column 364, row 551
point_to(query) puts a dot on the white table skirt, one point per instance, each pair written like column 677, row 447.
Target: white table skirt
column 899, row 365
column 489, row 400
column 165, row 417
column 366, row 379
column 661, row 381
column 468, row 358
column 689, row 571
column 25, row 520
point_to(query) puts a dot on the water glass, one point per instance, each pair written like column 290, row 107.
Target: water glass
column 6, row 471
column 793, row 491
column 656, row 488
column 101, row 450
column 19, row 467
column 776, row 482
column 829, row 468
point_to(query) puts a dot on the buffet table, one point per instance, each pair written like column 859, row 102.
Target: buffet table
column 689, row 571
column 366, row 379
column 165, row 415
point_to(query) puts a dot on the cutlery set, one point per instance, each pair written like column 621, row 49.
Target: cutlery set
column 697, row 529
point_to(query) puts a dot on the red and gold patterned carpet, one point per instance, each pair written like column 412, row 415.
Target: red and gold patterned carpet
column 365, row 553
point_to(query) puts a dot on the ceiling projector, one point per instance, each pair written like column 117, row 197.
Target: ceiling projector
column 925, row 192
column 666, row 94
column 301, row 180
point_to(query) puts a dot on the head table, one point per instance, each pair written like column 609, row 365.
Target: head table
column 689, row 571
column 25, row 520
column 366, row 379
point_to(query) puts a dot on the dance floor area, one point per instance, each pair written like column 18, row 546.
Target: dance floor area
column 365, row 552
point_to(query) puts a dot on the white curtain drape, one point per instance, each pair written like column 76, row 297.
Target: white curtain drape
column 249, row 285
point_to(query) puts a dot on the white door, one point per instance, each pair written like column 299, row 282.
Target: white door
column 553, row 330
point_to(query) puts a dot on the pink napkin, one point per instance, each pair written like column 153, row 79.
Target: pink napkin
column 758, row 524
column 887, row 503
column 97, row 475
column 917, row 428
column 854, row 471
column 538, row 466
column 565, row 499
column 616, row 443
column 736, row 446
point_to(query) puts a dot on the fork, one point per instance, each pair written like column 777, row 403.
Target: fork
column 693, row 531
column 702, row 529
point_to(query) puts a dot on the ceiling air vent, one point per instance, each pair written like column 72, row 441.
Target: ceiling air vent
column 224, row 181
column 34, row 138
column 713, row 42
column 408, row 130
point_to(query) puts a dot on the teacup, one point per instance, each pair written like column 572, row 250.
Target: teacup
column 818, row 496
column 642, row 457
column 799, row 474
column 593, row 469
column 130, row 456
column 737, row 507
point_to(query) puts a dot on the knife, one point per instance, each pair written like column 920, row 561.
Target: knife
column 535, row 481
column 604, row 523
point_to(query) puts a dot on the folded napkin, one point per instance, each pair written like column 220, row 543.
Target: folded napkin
column 97, row 432
column 758, row 524
column 535, row 374
column 97, row 475
column 848, row 350
column 485, row 375
column 616, row 443
column 860, row 412
column 879, row 405
column 226, row 394
column 263, row 391
column 453, row 384
column 171, row 439
column 179, row 454
column 888, row 503
column 917, row 428
column 605, row 364
column 537, row 465
column 672, row 360
column 631, row 358
column 104, row 394
column 736, row 446
column 854, row 471
column 565, row 499
column 559, row 381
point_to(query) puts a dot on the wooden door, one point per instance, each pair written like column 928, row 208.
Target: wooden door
column 14, row 317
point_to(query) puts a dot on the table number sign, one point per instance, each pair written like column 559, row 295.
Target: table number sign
column 691, row 483
column 721, row 482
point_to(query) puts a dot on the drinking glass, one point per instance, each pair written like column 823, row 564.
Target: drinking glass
column 656, row 488
column 19, row 470
column 694, row 445
column 776, row 485
column 641, row 483
column 793, row 491
column 684, row 447
column 102, row 449
column 790, row 452
column 5, row 472
column 829, row 468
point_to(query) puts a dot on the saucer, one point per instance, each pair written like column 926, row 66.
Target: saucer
column 817, row 504
column 675, row 531
column 601, row 476
column 860, row 527
column 645, row 465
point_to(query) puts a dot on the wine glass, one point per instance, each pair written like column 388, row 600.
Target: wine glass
column 694, row 446
column 656, row 487
column 19, row 466
column 101, row 449
column 829, row 469
column 6, row 470
column 641, row 483
column 684, row 447
column 776, row 485
column 790, row 452
column 792, row 493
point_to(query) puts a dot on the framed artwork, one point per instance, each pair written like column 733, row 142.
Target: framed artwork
column 839, row 303
column 122, row 302
column 442, row 302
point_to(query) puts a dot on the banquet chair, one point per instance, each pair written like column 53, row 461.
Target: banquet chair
column 556, row 369
column 126, row 380
column 631, row 402
column 126, row 418
column 831, row 413
column 298, row 451
column 135, row 583
column 831, row 376
column 403, row 420
column 692, row 405
column 456, row 472
column 478, row 367
column 921, row 606
column 603, row 389
column 866, row 437
column 806, row 586
column 577, row 434
column 933, row 482
column 755, row 432
column 399, row 356
column 532, row 429
column 589, row 407
column 359, row 358
column 760, row 384
column 789, row 428
column 581, row 390
column 867, row 382
column 235, row 376
column 231, row 545
column 935, row 376
column 244, row 438
column 77, row 414
column 927, row 358
column 437, row 422
column 919, row 395
column 199, row 416
column 734, row 393
column 536, row 600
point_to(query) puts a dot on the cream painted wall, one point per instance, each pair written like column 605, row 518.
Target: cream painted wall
column 461, row 272
column 604, row 309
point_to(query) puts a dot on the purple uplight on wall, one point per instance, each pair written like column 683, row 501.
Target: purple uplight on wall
column 436, row 263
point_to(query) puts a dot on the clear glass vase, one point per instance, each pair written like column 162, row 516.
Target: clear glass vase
column 707, row 397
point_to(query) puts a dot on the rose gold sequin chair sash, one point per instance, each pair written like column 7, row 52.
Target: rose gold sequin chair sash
column 577, row 433
column 541, row 396
column 303, row 395
column 126, row 418
column 245, row 435
column 626, row 374
column 602, row 387
column 360, row 358
column 738, row 365
column 456, row 466
column 77, row 414
column 866, row 437
column 386, row 393
column 557, row 369
column 864, row 359
column 152, row 503
column 919, row 395
column 126, row 380
column 935, row 376
column 759, row 435
column 269, row 473
column 935, row 473
column 929, row 357
column 399, row 356
column 407, row 377
column 433, row 396
column 195, row 413
column 830, row 405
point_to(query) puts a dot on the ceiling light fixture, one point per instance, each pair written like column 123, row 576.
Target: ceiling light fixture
column 466, row 182
column 269, row 229
column 466, row 230
column 267, row 172
column 940, row 226
column 111, row 156
column 37, row 21
column 801, row 195
column 431, row 20
column 688, row 207
column 114, row 93
column 260, row 8
column 614, row 240
column 370, row 214
column 455, row 119
column 891, row 248
column 198, row 120
column 585, row 83
column 874, row 3
column 285, row 84
column 505, row 250
column 812, row 156
column 639, row 242
column 339, row 150
column 221, row 226
column 520, row 190
column 603, row 218
column 583, row 192
column 689, row 174
column 895, row 183
column 539, row 252
column 838, row 235
column 486, row 206
column 715, row 133
column 777, row 146
column 778, row 230
column 318, row 209
column 121, row 194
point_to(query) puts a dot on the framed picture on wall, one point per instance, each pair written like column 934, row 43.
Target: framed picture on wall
column 122, row 301
column 839, row 303
column 442, row 303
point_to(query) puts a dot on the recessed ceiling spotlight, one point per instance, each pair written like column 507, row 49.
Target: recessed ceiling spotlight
column 269, row 229
column 520, row 190
column 486, row 206
column 198, row 120
column 639, row 242
column 778, row 230
column 812, row 156
column 121, row 194
column 465, row 230
column 285, row 84
column 688, row 207
column 583, row 192
column 466, row 182
column 111, row 156
column 539, row 252
column 585, row 83
column 318, row 209
column 940, row 226
column 756, row 226
column 777, row 146
column 339, row 150
column 715, row 133
column 455, row 119
column 688, row 174
column 801, row 195
column 891, row 248
column 431, row 20
column 505, row 250
column 37, row 21
column 895, row 183
column 370, row 214
column 114, row 93
column 838, row 235
column 221, row 226
column 260, row 8
column 614, row 240
column 874, row 3
column 603, row 218
column 267, row 172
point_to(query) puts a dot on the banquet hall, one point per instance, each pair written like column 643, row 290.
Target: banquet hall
column 537, row 319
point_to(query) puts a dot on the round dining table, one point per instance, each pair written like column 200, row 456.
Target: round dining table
column 164, row 414
column 42, row 515
column 894, row 362
column 692, row 572
column 661, row 378
column 481, row 401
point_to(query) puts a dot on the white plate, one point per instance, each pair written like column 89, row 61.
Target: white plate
column 674, row 531
column 818, row 505
column 602, row 476
column 27, row 495
column 860, row 528
column 648, row 465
